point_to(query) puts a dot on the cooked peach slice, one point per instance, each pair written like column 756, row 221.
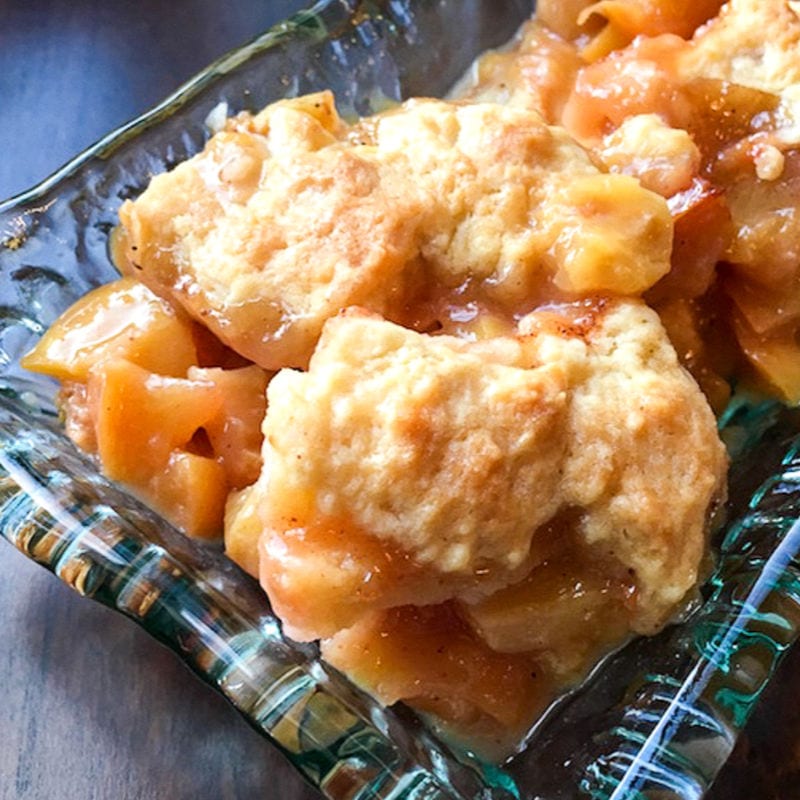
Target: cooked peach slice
column 429, row 658
column 775, row 356
column 140, row 418
column 235, row 430
column 568, row 610
column 123, row 319
column 614, row 23
column 324, row 576
column 705, row 344
column 723, row 113
column 242, row 529
column 638, row 80
column 703, row 231
column 78, row 415
column 192, row 489
column 145, row 426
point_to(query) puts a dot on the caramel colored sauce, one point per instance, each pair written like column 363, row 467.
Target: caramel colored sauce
column 429, row 658
column 485, row 670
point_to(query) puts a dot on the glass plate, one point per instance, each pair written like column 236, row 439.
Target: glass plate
column 656, row 720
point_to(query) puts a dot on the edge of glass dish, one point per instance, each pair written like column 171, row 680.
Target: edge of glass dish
column 657, row 719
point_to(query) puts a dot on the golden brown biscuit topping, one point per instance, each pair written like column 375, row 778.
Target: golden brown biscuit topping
column 290, row 216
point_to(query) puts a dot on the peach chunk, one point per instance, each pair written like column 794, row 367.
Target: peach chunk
column 623, row 20
column 182, row 443
column 429, row 658
column 775, row 356
column 626, row 19
column 123, row 355
column 193, row 488
column 325, row 576
column 144, row 424
column 703, row 232
column 123, row 319
column 567, row 610
column 235, row 431
column 140, row 418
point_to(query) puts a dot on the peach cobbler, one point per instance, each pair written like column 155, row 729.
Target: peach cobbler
column 445, row 378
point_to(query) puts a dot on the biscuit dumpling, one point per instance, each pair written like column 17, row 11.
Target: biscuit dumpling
column 410, row 468
column 292, row 215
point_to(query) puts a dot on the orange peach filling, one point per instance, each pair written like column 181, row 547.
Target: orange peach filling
column 429, row 658
column 181, row 435
column 484, row 667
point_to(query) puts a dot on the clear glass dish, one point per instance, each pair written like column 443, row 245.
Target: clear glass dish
column 656, row 720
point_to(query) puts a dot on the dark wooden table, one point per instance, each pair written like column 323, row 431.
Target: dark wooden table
column 91, row 707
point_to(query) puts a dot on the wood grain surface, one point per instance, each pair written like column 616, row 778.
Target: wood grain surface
column 91, row 707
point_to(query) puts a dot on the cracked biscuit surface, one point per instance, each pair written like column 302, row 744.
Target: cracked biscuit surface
column 291, row 215
column 456, row 455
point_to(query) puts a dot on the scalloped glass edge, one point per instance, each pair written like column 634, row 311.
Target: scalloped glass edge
column 658, row 719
